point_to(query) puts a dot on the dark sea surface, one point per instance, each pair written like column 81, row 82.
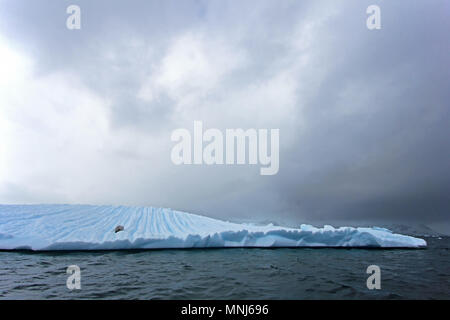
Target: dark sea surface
column 230, row 274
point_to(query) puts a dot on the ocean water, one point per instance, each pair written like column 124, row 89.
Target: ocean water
column 237, row 273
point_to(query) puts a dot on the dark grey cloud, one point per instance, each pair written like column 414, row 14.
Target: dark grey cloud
column 363, row 115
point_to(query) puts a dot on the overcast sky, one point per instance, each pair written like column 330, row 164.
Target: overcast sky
column 86, row 115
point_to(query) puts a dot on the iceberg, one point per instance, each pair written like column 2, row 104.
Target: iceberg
column 87, row 227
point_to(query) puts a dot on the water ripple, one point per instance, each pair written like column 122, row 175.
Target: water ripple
column 229, row 274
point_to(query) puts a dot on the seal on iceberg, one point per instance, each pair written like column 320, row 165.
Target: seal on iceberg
column 118, row 229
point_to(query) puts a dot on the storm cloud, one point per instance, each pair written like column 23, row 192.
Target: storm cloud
column 86, row 115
